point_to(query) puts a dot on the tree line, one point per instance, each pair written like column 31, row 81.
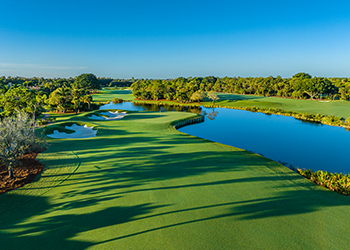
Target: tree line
column 37, row 94
column 192, row 89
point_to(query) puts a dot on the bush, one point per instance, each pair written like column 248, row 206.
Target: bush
column 117, row 100
column 16, row 138
column 336, row 182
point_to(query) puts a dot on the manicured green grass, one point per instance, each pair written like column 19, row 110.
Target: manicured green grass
column 325, row 107
column 107, row 94
column 336, row 108
column 140, row 184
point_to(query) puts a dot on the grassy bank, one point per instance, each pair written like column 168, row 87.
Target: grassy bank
column 140, row 184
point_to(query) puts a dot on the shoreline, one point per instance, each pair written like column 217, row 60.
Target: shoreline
column 307, row 117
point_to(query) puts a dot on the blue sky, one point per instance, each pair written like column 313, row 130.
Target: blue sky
column 168, row 39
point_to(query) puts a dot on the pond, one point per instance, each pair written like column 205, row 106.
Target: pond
column 280, row 138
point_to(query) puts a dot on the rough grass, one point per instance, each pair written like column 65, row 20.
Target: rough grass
column 140, row 184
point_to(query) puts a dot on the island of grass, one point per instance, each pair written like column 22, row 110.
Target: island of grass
column 140, row 184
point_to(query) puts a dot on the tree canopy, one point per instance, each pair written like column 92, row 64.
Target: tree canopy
column 300, row 86
column 86, row 82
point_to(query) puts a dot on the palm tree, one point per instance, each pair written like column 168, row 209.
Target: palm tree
column 87, row 99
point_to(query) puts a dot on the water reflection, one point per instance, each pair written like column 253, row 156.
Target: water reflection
column 211, row 115
column 151, row 107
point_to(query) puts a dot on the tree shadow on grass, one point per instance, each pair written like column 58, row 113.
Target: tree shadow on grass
column 235, row 97
column 56, row 231
column 141, row 117
column 289, row 203
column 123, row 168
column 17, row 231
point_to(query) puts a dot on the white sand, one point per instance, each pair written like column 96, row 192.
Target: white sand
column 80, row 132
column 111, row 116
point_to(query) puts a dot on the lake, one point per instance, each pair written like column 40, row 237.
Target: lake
column 280, row 138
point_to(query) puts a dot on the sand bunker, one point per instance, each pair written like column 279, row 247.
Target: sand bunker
column 110, row 116
column 80, row 132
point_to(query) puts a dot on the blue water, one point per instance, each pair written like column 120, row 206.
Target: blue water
column 124, row 105
column 280, row 138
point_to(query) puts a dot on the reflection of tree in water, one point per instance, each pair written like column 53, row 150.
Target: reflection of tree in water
column 161, row 108
column 211, row 115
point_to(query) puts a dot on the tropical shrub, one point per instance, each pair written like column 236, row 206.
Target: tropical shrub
column 336, row 182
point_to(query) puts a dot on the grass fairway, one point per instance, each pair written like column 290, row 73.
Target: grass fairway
column 107, row 94
column 140, row 184
column 336, row 108
column 326, row 107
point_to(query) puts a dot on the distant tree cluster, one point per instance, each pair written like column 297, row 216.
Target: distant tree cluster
column 37, row 94
column 110, row 82
column 300, row 86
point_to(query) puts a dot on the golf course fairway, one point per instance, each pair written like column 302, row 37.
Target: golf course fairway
column 140, row 184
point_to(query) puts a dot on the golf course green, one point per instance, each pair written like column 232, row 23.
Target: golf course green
column 324, row 107
column 140, row 184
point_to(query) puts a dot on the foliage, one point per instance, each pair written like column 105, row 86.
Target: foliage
column 20, row 99
column 336, row 182
column 314, row 86
column 16, row 138
column 15, row 100
column 86, row 82
column 213, row 96
column 300, row 86
column 117, row 100
column 61, row 99
column 197, row 96
column 87, row 99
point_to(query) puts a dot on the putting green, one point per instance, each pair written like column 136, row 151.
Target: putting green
column 140, row 184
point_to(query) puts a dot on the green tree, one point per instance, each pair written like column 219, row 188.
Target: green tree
column 36, row 102
column 15, row 100
column 197, row 96
column 86, row 82
column 302, row 75
column 87, row 99
column 213, row 96
column 315, row 86
column 77, row 99
column 61, row 98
